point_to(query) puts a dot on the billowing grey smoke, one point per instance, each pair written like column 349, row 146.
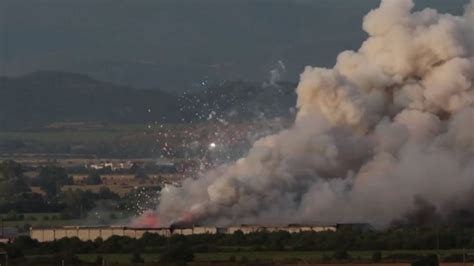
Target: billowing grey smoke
column 390, row 123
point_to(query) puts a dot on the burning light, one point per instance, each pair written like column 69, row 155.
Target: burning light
column 148, row 219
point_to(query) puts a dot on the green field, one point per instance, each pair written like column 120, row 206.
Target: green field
column 217, row 256
column 38, row 220
column 24, row 224
column 41, row 223
column 105, row 133
column 278, row 256
column 65, row 136
column 102, row 134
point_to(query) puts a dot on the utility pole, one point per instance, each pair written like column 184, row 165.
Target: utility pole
column 437, row 239
column 437, row 244
column 5, row 255
column 463, row 256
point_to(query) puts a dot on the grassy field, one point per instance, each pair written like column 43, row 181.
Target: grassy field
column 39, row 220
column 41, row 223
column 120, row 189
column 114, row 132
column 103, row 134
column 277, row 256
column 63, row 136
column 215, row 256
column 33, row 215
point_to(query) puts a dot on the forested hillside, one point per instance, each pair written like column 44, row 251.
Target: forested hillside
column 41, row 98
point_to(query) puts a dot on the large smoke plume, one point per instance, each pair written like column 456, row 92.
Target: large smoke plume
column 390, row 125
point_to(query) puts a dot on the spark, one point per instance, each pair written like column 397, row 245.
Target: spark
column 212, row 146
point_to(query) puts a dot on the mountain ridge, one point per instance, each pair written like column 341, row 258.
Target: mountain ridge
column 44, row 97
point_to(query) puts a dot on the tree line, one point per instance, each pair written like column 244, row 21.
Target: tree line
column 16, row 196
column 336, row 244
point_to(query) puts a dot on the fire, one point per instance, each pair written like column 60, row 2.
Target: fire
column 148, row 219
column 151, row 219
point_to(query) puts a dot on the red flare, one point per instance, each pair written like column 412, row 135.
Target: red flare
column 148, row 219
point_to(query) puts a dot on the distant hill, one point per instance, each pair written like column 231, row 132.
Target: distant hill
column 46, row 97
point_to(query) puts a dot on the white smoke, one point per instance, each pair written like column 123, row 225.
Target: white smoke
column 389, row 123
column 276, row 74
column 469, row 14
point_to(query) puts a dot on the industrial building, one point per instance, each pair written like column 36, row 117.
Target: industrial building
column 104, row 232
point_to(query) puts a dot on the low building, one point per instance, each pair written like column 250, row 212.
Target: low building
column 113, row 166
column 205, row 230
column 104, row 232
column 85, row 233
column 291, row 228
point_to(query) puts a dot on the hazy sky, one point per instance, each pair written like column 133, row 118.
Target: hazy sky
column 175, row 44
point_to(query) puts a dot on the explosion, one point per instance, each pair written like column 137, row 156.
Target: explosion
column 148, row 219
column 389, row 125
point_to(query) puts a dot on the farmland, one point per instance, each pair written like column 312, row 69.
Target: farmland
column 314, row 258
column 130, row 140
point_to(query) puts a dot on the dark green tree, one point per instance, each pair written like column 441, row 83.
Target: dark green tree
column 77, row 202
column 134, row 169
column 10, row 169
column 376, row 256
column 93, row 179
column 141, row 177
column 13, row 187
column 431, row 260
column 153, row 240
column 106, row 193
column 178, row 251
column 341, row 255
column 12, row 181
column 137, row 259
column 52, row 179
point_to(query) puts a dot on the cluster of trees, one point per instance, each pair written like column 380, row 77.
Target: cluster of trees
column 401, row 239
column 15, row 193
column 174, row 249
column 347, row 239
column 17, row 197
column 182, row 248
column 13, row 182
